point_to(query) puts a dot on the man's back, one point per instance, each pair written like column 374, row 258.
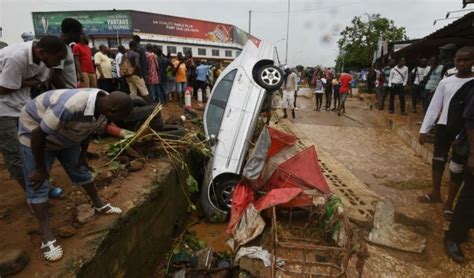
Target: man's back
column 67, row 116
column 201, row 72
column 345, row 81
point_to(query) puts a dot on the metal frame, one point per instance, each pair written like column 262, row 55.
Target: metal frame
column 339, row 256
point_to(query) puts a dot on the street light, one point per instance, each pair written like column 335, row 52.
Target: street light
column 287, row 32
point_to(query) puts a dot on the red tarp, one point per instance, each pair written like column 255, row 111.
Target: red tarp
column 243, row 195
column 286, row 184
column 300, row 171
column 277, row 197
column 280, row 140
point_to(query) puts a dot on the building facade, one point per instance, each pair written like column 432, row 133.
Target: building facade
column 205, row 39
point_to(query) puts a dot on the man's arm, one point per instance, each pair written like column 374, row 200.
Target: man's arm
column 97, row 61
column 470, row 139
column 137, row 63
column 405, row 78
column 56, row 79
column 38, row 144
column 435, row 107
column 77, row 63
column 83, row 161
column 390, row 78
column 27, row 83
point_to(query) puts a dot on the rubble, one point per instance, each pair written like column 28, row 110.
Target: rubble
column 12, row 261
column 4, row 212
column 136, row 165
column 84, row 213
column 66, row 231
column 388, row 233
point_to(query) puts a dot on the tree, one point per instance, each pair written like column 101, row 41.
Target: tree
column 359, row 40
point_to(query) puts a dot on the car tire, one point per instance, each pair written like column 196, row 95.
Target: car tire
column 269, row 77
column 217, row 211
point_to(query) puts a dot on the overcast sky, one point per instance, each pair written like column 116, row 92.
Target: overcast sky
column 312, row 22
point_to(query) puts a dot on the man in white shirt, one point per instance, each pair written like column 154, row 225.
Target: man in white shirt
column 438, row 109
column 418, row 75
column 397, row 80
column 22, row 67
column 289, row 89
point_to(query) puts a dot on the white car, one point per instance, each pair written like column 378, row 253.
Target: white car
column 230, row 119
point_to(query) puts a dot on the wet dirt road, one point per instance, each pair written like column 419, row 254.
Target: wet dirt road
column 363, row 143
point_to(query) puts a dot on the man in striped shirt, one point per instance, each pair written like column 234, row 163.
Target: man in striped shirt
column 58, row 124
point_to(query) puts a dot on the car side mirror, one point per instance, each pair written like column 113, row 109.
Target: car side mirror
column 212, row 140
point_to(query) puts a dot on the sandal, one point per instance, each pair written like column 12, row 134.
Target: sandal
column 54, row 253
column 428, row 199
column 108, row 209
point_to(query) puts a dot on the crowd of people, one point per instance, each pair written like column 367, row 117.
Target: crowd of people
column 332, row 86
column 444, row 84
column 142, row 71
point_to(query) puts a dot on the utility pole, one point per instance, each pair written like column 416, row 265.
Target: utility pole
column 287, row 32
column 250, row 21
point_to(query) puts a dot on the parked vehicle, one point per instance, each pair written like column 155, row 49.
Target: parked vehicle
column 230, row 119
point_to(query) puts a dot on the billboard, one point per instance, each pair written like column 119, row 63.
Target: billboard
column 94, row 22
column 182, row 27
column 241, row 37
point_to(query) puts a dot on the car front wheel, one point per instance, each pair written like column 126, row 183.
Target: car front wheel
column 270, row 77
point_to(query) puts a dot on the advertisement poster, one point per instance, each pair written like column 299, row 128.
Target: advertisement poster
column 182, row 27
column 94, row 22
column 241, row 37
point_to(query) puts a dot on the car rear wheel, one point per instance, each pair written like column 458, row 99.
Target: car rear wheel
column 224, row 191
column 270, row 77
column 216, row 198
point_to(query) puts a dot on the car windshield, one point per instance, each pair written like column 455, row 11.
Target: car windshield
column 215, row 111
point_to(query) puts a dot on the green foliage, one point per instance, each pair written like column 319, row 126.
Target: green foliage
column 113, row 149
column 192, row 184
column 359, row 40
column 115, row 165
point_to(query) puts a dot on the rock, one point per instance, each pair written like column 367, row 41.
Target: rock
column 84, row 213
column 12, row 261
column 66, row 231
column 109, row 174
column 81, row 199
column 123, row 159
column 136, row 165
column 4, row 212
column 388, row 233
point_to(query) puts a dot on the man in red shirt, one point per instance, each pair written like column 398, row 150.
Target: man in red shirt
column 83, row 58
column 345, row 83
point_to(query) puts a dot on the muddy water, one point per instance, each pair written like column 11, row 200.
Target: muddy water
column 213, row 235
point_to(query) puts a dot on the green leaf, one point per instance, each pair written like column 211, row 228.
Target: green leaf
column 192, row 184
column 115, row 165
